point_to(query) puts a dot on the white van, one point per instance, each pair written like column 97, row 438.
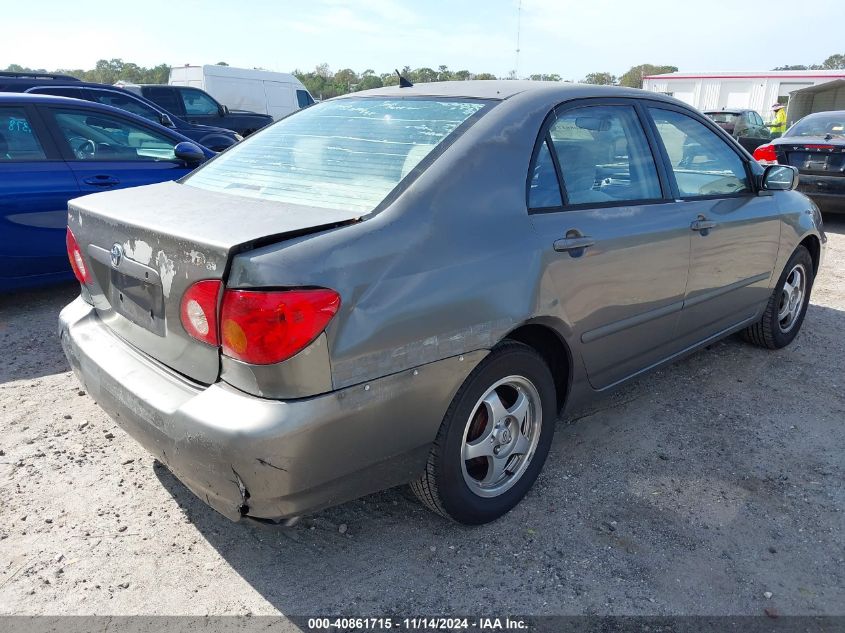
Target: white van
column 276, row 94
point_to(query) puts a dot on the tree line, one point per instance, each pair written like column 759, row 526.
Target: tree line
column 834, row 62
column 324, row 83
column 107, row 71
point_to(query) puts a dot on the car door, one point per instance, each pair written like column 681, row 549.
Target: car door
column 735, row 232
column 35, row 185
column 106, row 150
column 616, row 243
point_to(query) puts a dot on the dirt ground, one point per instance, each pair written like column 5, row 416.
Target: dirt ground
column 714, row 486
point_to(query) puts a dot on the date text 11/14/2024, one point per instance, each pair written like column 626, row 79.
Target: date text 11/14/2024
column 417, row 624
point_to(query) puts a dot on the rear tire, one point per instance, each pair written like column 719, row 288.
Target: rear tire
column 494, row 438
column 785, row 311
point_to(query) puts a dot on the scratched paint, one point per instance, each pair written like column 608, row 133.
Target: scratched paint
column 433, row 348
column 166, row 270
column 138, row 250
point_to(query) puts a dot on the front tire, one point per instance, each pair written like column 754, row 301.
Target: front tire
column 494, row 438
column 785, row 311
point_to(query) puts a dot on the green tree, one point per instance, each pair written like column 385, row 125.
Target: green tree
column 634, row 77
column 600, row 79
column 422, row 75
column 834, row 62
column 545, row 77
column 369, row 80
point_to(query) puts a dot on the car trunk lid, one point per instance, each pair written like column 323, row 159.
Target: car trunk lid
column 145, row 246
column 815, row 155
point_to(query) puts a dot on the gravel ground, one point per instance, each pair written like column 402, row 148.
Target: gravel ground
column 713, row 486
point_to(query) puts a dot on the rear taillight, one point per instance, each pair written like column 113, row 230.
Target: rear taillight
column 827, row 147
column 264, row 327
column 77, row 262
column 766, row 154
column 198, row 311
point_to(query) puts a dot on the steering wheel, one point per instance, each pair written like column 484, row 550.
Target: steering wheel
column 82, row 147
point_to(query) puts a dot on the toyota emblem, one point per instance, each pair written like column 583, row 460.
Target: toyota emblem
column 116, row 255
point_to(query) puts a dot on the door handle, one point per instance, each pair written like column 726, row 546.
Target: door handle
column 574, row 245
column 101, row 180
column 703, row 224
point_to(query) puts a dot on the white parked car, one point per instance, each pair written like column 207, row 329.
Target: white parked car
column 263, row 91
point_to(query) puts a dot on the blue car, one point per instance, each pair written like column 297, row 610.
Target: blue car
column 53, row 149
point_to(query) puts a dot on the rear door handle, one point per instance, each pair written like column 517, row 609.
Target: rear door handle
column 101, row 180
column 702, row 224
column 569, row 244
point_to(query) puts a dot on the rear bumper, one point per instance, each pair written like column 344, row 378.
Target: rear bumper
column 828, row 192
column 267, row 459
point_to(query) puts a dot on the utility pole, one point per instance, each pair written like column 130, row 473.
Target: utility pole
column 518, row 29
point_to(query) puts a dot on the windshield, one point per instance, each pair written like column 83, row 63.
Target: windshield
column 339, row 154
column 723, row 117
column 832, row 123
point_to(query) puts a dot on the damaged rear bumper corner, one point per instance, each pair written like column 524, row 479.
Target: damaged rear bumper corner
column 266, row 459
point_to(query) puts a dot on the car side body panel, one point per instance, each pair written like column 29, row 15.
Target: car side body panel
column 448, row 267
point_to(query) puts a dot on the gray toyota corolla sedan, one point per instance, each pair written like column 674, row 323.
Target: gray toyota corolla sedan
column 413, row 284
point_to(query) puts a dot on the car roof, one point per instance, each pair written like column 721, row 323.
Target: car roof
column 58, row 82
column 826, row 112
column 28, row 97
column 731, row 111
column 505, row 88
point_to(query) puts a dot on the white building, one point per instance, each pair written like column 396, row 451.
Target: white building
column 740, row 90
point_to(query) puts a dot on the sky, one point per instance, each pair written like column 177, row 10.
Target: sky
column 570, row 38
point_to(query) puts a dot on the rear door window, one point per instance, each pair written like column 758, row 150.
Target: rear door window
column 604, row 155
column 544, row 190
column 18, row 141
column 165, row 97
column 342, row 154
column 703, row 163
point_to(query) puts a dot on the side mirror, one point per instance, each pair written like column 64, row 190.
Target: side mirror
column 224, row 110
column 780, row 178
column 166, row 121
column 189, row 152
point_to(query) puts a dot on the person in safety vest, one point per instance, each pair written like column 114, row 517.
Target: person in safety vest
column 778, row 124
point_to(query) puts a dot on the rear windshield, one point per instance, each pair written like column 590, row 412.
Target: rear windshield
column 820, row 125
column 723, row 117
column 339, row 154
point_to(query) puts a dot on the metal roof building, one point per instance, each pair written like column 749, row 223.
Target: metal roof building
column 738, row 90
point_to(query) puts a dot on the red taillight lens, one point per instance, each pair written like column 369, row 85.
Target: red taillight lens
column 766, row 154
column 199, row 310
column 261, row 327
column 820, row 146
column 77, row 262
